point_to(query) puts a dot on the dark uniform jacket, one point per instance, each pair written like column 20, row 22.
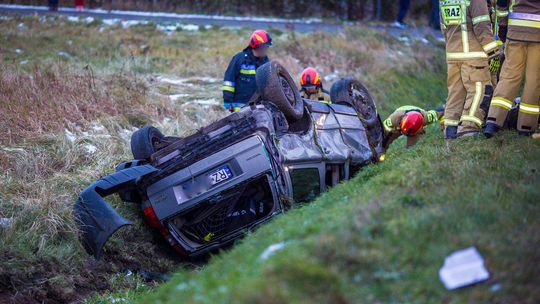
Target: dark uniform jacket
column 239, row 82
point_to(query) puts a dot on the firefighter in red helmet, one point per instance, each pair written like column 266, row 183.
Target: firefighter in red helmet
column 312, row 87
column 408, row 121
column 239, row 82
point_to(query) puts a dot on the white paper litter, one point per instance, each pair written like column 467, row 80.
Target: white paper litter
column 272, row 249
column 462, row 268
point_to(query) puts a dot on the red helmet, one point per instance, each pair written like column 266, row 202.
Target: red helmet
column 310, row 77
column 258, row 38
column 412, row 123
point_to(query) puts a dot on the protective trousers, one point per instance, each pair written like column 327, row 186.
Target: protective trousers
column 521, row 58
column 469, row 93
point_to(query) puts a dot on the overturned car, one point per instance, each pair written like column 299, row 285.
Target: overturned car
column 206, row 190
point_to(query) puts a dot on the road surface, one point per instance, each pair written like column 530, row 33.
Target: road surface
column 307, row 25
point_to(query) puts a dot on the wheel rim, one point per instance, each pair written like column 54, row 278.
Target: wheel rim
column 287, row 90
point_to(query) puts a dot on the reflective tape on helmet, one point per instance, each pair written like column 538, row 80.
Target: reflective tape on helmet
column 501, row 102
column 529, row 108
column 474, row 119
column 479, row 19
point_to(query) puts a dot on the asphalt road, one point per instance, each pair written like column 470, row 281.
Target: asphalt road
column 254, row 23
column 303, row 25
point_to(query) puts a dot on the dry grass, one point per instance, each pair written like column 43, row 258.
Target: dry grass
column 104, row 90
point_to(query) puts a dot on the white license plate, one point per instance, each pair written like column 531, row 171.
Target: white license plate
column 222, row 174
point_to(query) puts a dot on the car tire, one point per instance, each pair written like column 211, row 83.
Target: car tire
column 275, row 85
column 144, row 141
column 353, row 93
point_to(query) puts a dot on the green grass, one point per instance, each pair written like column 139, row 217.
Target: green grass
column 382, row 236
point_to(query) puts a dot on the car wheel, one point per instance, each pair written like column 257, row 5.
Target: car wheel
column 352, row 92
column 144, row 141
column 275, row 85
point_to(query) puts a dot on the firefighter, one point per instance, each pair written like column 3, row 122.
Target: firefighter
column 469, row 45
column 312, row 87
column 239, row 82
column 499, row 31
column 522, row 57
column 408, row 121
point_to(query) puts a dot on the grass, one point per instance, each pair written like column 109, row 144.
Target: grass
column 110, row 83
column 382, row 237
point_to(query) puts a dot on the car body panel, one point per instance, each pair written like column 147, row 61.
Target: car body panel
column 190, row 185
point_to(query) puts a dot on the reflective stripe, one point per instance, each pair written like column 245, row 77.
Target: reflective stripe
column 464, row 33
column 388, row 125
column 525, row 23
column 502, row 13
column 529, row 108
column 228, row 83
column 233, row 105
column 525, row 16
column 459, row 2
column 472, row 119
column 451, row 122
column 501, row 102
column 228, row 88
column 248, row 72
column 490, row 46
column 479, row 92
column 479, row 19
column 432, row 116
column 466, row 55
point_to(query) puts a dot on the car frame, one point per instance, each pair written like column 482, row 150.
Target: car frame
column 204, row 191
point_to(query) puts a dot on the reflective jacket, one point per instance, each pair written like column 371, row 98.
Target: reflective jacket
column 467, row 30
column 498, row 20
column 393, row 122
column 523, row 19
column 322, row 95
column 239, row 82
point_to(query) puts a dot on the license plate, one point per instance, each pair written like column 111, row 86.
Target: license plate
column 222, row 174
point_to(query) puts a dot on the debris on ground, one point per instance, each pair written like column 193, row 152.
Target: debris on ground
column 462, row 268
column 272, row 249
column 6, row 222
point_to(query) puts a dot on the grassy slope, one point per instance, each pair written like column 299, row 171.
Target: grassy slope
column 40, row 257
column 381, row 237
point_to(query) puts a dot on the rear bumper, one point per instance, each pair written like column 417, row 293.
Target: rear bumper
column 97, row 219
